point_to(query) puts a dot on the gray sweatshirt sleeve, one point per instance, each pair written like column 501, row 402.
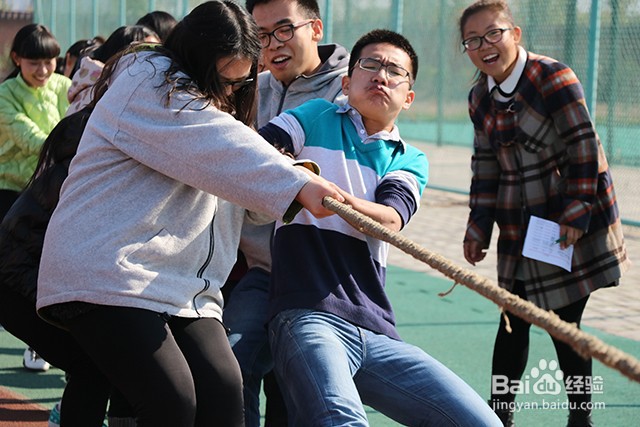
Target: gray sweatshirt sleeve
column 197, row 145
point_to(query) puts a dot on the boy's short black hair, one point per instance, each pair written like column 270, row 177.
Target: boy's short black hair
column 384, row 36
column 310, row 8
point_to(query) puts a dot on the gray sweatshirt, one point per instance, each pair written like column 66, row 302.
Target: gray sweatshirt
column 141, row 220
column 274, row 98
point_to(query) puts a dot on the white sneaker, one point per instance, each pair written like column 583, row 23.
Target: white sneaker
column 33, row 362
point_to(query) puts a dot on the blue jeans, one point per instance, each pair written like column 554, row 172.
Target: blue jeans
column 246, row 317
column 328, row 368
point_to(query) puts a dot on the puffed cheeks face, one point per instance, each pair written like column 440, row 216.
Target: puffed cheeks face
column 380, row 94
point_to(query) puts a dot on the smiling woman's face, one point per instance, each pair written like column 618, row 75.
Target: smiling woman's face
column 36, row 72
column 496, row 60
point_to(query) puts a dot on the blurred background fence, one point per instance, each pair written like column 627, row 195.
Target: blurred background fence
column 599, row 39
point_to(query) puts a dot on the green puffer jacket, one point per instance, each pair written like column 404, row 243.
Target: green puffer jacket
column 27, row 115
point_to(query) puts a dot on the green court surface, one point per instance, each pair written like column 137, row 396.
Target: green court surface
column 457, row 329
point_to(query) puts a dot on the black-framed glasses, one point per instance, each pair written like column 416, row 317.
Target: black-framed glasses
column 235, row 85
column 491, row 37
column 283, row 33
column 394, row 72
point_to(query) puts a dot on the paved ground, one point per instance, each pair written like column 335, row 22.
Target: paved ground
column 438, row 226
column 440, row 223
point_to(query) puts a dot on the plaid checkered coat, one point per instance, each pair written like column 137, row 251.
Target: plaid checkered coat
column 539, row 154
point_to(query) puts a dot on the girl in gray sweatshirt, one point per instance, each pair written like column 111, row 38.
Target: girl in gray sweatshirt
column 148, row 222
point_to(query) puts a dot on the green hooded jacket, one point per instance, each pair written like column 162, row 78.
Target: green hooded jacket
column 27, row 115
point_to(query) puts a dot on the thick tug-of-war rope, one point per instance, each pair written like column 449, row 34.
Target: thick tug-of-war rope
column 584, row 344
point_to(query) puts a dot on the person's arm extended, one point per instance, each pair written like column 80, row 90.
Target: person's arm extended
column 314, row 191
column 385, row 215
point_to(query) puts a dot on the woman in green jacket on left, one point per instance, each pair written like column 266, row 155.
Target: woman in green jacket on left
column 33, row 99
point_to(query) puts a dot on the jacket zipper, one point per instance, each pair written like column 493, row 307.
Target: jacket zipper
column 207, row 282
column 301, row 76
column 284, row 95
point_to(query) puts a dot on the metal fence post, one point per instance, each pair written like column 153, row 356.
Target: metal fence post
column 94, row 21
column 570, row 32
column 37, row 11
column 123, row 12
column 613, row 79
column 72, row 22
column 398, row 10
column 185, row 7
column 440, row 83
column 328, row 21
column 591, row 90
column 52, row 17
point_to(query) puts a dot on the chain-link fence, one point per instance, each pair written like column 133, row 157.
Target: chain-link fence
column 599, row 39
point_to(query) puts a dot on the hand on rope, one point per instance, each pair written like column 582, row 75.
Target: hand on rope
column 584, row 344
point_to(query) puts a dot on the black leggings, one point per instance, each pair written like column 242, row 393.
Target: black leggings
column 173, row 371
column 511, row 350
column 87, row 391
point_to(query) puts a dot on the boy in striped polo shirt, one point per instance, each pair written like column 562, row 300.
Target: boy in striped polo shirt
column 332, row 327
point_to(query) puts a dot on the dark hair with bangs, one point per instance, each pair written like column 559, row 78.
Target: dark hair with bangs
column 384, row 36
column 34, row 41
column 309, row 8
column 213, row 30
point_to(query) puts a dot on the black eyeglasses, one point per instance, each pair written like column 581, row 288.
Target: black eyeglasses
column 235, row 85
column 491, row 37
column 283, row 33
column 394, row 72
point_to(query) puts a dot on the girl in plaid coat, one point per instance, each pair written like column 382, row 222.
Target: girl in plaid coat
column 536, row 153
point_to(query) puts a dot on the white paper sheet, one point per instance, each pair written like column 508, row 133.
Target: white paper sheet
column 540, row 243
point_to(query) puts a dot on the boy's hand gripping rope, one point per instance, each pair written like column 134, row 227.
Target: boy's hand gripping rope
column 584, row 344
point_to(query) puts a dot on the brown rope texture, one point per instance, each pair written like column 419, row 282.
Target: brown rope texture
column 584, row 344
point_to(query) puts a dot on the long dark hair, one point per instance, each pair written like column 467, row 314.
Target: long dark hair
column 213, row 30
column 159, row 21
column 34, row 41
column 122, row 37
